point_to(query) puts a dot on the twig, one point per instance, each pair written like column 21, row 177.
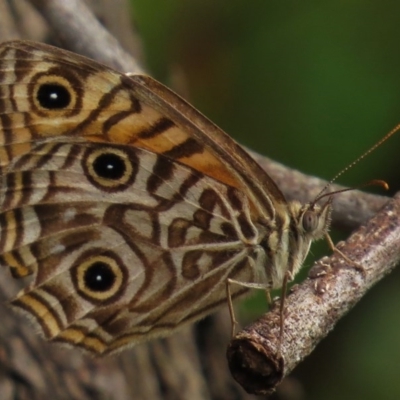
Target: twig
column 8, row 30
column 315, row 306
column 350, row 209
column 78, row 29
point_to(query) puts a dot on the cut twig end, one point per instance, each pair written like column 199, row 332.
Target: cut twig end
column 254, row 366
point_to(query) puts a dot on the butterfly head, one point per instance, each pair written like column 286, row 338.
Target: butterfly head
column 314, row 220
column 309, row 222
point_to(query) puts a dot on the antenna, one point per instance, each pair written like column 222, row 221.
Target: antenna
column 356, row 161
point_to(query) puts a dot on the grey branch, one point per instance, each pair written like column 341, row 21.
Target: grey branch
column 79, row 30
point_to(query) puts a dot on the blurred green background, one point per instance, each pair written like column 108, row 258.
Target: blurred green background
column 310, row 84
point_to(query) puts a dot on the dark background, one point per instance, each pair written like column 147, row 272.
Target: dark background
column 313, row 85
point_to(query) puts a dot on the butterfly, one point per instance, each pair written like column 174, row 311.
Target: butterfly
column 131, row 212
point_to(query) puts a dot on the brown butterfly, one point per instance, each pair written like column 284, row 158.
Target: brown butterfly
column 133, row 212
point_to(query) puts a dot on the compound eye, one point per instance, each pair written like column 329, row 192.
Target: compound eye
column 310, row 221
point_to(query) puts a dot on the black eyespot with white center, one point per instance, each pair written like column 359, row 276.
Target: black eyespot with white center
column 110, row 168
column 99, row 278
column 53, row 96
column 56, row 92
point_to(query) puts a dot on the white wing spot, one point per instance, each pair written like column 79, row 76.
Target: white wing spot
column 69, row 214
column 57, row 249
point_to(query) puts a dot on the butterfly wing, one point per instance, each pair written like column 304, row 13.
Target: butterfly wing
column 129, row 207
column 104, row 105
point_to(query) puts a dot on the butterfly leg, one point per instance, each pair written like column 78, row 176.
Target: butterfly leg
column 234, row 322
column 229, row 297
column 269, row 298
column 358, row 267
column 287, row 278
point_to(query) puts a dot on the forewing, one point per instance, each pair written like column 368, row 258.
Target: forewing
column 108, row 106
